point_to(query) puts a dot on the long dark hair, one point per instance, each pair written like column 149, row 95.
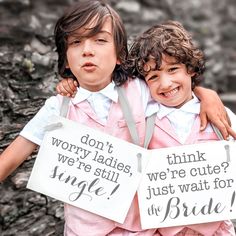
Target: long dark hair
column 79, row 15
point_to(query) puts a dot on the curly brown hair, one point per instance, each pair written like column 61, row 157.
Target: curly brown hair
column 169, row 38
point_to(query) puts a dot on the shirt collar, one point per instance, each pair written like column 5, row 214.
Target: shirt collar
column 109, row 91
column 192, row 106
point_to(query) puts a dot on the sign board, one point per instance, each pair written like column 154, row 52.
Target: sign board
column 188, row 185
column 88, row 169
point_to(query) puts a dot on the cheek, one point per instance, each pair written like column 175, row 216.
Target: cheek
column 153, row 85
column 153, row 94
column 68, row 56
column 153, row 90
column 73, row 52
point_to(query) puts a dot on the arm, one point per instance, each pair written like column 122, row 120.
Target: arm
column 213, row 110
column 34, row 130
column 67, row 87
column 14, row 155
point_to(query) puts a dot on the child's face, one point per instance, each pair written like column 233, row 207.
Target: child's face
column 171, row 84
column 92, row 59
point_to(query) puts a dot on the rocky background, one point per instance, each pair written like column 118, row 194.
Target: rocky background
column 28, row 76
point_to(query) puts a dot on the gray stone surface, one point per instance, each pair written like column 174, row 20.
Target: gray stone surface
column 28, row 76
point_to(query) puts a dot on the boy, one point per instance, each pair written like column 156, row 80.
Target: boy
column 91, row 44
column 92, row 47
column 166, row 58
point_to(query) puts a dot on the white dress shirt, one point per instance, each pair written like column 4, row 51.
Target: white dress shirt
column 182, row 118
column 100, row 102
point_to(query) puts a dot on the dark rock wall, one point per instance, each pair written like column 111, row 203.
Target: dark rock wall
column 28, row 76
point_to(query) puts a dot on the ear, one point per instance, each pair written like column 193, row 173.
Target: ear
column 66, row 64
column 118, row 61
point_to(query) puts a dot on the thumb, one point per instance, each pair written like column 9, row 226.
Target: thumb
column 203, row 122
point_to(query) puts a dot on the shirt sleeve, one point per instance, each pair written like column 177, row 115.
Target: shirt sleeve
column 150, row 105
column 232, row 118
column 146, row 96
column 34, row 129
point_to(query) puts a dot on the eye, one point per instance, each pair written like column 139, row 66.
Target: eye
column 74, row 42
column 101, row 40
column 152, row 78
column 77, row 41
column 173, row 69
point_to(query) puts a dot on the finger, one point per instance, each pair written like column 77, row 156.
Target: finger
column 57, row 89
column 65, row 86
column 232, row 133
column 71, row 84
column 223, row 128
column 60, row 90
column 73, row 87
column 203, row 121
column 224, row 117
column 76, row 83
column 72, row 90
column 228, row 119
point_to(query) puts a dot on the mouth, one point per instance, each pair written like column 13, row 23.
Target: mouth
column 89, row 66
column 170, row 93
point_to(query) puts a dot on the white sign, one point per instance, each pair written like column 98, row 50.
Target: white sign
column 88, row 169
column 189, row 184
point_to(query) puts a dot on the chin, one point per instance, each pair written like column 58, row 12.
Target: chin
column 174, row 105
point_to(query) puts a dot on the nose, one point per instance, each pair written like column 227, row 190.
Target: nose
column 165, row 82
column 88, row 48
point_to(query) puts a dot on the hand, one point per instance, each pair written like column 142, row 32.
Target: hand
column 213, row 110
column 67, row 87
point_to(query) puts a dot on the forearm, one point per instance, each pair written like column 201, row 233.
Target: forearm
column 14, row 155
column 213, row 110
column 201, row 92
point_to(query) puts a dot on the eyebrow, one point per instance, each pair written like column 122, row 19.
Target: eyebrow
column 105, row 32
column 159, row 69
column 173, row 63
column 84, row 35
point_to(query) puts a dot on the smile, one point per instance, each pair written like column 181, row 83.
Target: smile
column 171, row 93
